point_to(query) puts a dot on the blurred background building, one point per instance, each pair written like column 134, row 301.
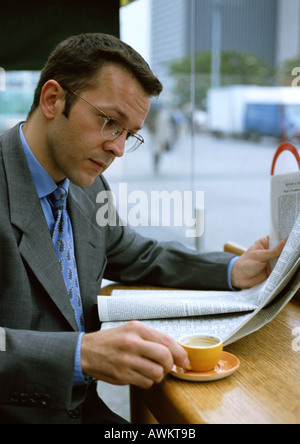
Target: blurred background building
column 260, row 27
column 267, row 29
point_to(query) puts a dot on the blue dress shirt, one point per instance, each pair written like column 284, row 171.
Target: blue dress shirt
column 45, row 185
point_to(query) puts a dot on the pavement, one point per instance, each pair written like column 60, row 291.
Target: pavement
column 233, row 174
column 235, row 177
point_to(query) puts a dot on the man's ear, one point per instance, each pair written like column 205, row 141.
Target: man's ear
column 52, row 99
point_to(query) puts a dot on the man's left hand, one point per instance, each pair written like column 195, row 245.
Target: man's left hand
column 253, row 267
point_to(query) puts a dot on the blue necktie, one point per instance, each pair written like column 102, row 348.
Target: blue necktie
column 63, row 243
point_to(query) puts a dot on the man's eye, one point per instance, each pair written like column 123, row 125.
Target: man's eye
column 110, row 124
column 114, row 127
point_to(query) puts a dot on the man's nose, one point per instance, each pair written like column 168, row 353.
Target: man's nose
column 116, row 146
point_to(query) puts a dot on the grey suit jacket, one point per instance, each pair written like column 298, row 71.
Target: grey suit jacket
column 36, row 370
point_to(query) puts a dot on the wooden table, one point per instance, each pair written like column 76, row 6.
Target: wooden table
column 265, row 390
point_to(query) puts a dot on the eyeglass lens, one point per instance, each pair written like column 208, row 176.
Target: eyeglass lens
column 112, row 129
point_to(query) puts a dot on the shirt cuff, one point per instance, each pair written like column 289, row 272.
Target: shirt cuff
column 230, row 267
column 79, row 378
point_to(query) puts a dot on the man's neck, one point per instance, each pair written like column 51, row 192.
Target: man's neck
column 35, row 135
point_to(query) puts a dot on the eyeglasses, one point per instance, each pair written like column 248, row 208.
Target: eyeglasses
column 113, row 128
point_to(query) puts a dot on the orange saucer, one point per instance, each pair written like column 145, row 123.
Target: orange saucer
column 227, row 365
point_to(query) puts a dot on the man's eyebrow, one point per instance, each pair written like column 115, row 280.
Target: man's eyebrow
column 122, row 116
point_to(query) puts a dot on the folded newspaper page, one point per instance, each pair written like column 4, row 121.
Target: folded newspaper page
column 285, row 206
column 228, row 315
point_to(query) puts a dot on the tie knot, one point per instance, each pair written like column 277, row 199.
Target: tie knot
column 59, row 199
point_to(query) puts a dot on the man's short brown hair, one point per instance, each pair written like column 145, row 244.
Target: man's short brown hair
column 75, row 62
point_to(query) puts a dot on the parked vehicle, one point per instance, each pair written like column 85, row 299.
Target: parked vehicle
column 253, row 111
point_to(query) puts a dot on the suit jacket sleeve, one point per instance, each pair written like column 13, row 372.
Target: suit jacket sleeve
column 165, row 264
column 31, row 372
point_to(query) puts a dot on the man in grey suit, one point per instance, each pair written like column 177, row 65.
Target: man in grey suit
column 92, row 99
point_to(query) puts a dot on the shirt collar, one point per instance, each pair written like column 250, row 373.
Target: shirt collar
column 44, row 183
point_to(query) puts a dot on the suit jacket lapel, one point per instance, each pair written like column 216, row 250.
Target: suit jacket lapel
column 27, row 215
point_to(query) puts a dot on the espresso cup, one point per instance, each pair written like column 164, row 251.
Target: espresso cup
column 204, row 351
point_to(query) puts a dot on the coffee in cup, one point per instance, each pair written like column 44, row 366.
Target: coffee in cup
column 204, row 351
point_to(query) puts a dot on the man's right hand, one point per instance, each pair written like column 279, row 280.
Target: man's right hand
column 133, row 354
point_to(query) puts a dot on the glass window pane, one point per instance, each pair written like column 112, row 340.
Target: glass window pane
column 225, row 145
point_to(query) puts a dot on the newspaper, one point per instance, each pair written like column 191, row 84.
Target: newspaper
column 228, row 315
column 285, row 206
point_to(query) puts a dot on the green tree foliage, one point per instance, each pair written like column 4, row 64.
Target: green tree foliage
column 236, row 69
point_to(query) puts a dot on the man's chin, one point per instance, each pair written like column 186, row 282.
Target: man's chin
column 83, row 181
